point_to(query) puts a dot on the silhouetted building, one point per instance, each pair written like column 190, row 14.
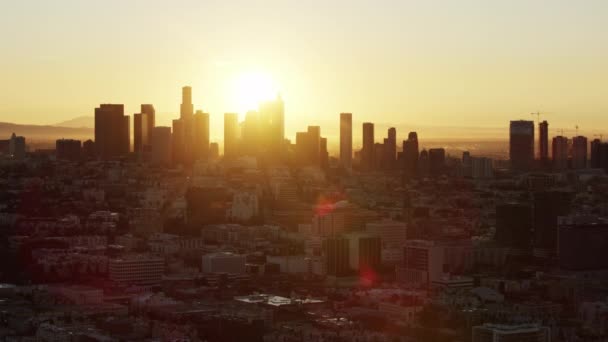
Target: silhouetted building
column 251, row 135
column 436, row 161
column 560, row 152
column 178, row 142
column 68, row 149
column 140, row 133
column 548, row 206
column 323, row 154
column 410, row 156
column 543, row 143
column 231, row 126
column 112, row 134
column 150, row 113
column 514, row 226
column 582, row 241
column 337, row 256
column 482, row 168
column 88, row 149
column 16, row 146
column 308, row 147
column 423, row 163
column 579, row 152
column 214, row 151
column 390, row 149
column 346, row 140
column 364, row 252
column 596, row 148
column 200, row 135
column 272, row 127
column 161, row 145
column 368, row 149
column 521, row 145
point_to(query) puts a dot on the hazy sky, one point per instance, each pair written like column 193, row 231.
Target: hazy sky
column 412, row 63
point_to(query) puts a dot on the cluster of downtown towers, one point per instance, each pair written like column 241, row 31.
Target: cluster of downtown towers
column 261, row 134
column 565, row 153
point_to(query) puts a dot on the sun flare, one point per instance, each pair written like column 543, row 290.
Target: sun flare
column 252, row 88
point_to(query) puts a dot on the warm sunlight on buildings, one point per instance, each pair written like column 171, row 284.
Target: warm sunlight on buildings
column 251, row 88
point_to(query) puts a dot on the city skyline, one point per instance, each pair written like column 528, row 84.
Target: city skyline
column 483, row 71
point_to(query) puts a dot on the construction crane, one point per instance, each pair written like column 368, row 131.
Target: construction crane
column 538, row 114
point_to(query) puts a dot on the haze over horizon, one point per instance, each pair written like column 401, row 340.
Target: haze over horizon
column 404, row 63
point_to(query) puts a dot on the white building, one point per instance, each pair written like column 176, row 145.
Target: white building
column 224, row 262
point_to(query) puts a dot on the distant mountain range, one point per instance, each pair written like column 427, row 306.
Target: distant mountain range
column 79, row 122
column 45, row 133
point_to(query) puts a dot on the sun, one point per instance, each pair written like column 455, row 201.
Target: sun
column 252, row 88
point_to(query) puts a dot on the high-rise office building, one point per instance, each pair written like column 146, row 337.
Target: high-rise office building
column 521, row 145
column 514, row 226
column 596, row 148
column 337, row 256
column 214, row 151
column 272, row 127
column 581, row 240
column 200, row 130
column 410, row 156
column 548, row 206
column 178, row 140
column 231, row 126
column 323, row 154
column 368, row 149
column 346, row 140
column 314, row 141
column 251, row 135
column 112, row 138
column 543, row 143
column 161, row 145
column 309, row 150
column 436, row 161
column 579, row 152
column 16, row 146
column 186, row 108
column 560, row 152
column 150, row 112
column 68, row 149
column 140, row 133
column 390, row 149
column 364, row 251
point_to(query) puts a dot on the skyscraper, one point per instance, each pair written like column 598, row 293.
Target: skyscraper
column 186, row 108
column 596, row 148
column 231, row 126
column 346, row 140
column 337, row 256
column 16, row 146
column 272, row 126
column 314, row 141
column 521, row 145
column 68, row 149
column 390, row 149
column 178, row 147
column 548, row 206
column 410, row 156
column 140, row 133
column 112, row 138
column 543, row 143
column 150, row 113
column 579, row 152
column 200, row 131
column 560, row 152
column 367, row 151
column 436, row 161
column 323, row 154
column 160, row 145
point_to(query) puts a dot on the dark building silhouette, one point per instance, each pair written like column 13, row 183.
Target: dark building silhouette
column 390, row 150
column 337, row 256
column 514, row 226
column 423, row 163
column 543, row 143
column 214, row 151
column 112, row 137
column 548, row 206
column 579, row 152
column 323, row 154
column 582, row 243
column 368, row 149
column 410, row 156
column 346, row 140
column 251, row 135
column 68, row 149
column 150, row 113
column 16, row 146
column 161, row 145
column 231, row 126
column 140, row 133
column 559, row 148
column 308, row 149
column 596, row 150
column 200, row 130
column 88, row 149
column 178, row 142
column 521, row 145
column 436, row 161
